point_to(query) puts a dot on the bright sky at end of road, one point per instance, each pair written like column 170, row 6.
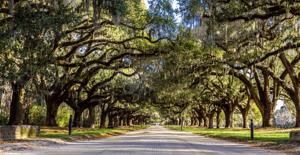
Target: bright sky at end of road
column 279, row 104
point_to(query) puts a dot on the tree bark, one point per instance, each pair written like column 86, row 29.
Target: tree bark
column 267, row 117
column 204, row 122
column 244, row 115
column 260, row 94
column 120, row 121
column 129, row 121
column 180, row 121
column 103, row 119
column 293, row 92
column 244, row 109
column 218, row 118
column 296, row 101
column 211, row 121
column 91, row 118
column 16, row 107
column 52, row 108
column 77, row 117
column 11, row 7
column 26, row 115
column 110, row 121
column 199, row 121
column 116, row 121
column 192, row 121
column 297, row 116
column 228, row 118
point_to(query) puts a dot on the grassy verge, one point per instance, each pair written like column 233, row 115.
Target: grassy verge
column 263, row 135
column 272, row 138
column 85, row 133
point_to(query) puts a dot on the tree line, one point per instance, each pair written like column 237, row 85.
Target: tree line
column 202, row 60
column 233, row 53
column 81, row 53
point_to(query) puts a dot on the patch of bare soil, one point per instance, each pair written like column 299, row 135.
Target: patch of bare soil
column 29, row 144
column 289, row 147
column 21, row 145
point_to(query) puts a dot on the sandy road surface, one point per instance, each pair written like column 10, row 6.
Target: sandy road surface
column 155, row 140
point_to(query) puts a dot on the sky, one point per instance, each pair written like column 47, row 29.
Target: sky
column 279, row 104
column 146, row 3
column 174, row 4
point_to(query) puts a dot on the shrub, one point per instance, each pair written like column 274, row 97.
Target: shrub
column 3, row 119
column 63, row 115
column 37, row 114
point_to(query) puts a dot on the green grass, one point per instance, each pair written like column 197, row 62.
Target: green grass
column 262, row 135
column 85, row 133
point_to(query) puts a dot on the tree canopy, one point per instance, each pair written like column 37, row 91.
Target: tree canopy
column 128, row 61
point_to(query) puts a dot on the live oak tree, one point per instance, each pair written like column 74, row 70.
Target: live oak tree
column 69, row 45
column 269, row 30
column 27, row 29
column 124, row 58
column 249, row 35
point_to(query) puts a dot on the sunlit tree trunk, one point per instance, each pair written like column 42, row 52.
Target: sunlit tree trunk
column 204, row 122
column 218, row 118
column 192, row 121
column 91, row 117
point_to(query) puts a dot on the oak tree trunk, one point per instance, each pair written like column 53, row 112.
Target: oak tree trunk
column 218, row 118
column 120, row 121
column 211, row 119
column 91, row 118
column 192, row 121
column 110, row 121
column 267, row 117
column 129, row 121
column 228, row 119
column 16, row 108
column 296, row 101
column 52, row 108
column 103, row 119
column 205, row 122
column 199, row 121
column 297, row 117
column 244, row 115
column 77, row 117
